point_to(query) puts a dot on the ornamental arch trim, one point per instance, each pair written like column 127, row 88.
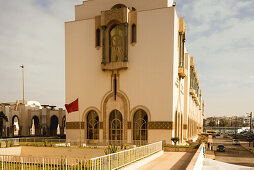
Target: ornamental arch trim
column 140, row 107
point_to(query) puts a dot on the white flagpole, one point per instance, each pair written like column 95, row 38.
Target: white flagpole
column 79, row 124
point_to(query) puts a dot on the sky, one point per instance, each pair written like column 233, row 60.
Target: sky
column 219, row 35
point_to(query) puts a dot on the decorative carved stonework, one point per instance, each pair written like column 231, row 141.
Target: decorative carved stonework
column 101, row 125
column 116, row 14
column 129, row 125
column 185, row 126
column 160, row 125
column 75, row 125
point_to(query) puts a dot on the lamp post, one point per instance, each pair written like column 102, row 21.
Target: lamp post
column 23, row 80
column 250, row 126
column 250, row 119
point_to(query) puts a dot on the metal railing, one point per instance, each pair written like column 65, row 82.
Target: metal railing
column 42, row 141
column 112, row 161
column 33, row 141
column 123, row 158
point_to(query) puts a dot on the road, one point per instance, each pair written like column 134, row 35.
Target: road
column 234, row 154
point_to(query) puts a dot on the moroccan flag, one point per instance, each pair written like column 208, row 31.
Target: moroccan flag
column 72, row 107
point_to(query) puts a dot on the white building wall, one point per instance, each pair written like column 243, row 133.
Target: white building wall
column 148, row 80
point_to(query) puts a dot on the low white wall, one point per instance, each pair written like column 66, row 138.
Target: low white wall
column 14, row 151
column 196, row 162
column 142, row 162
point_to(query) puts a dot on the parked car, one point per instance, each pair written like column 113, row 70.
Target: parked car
column 247, row 134
column 221, row 148
column 236, row 142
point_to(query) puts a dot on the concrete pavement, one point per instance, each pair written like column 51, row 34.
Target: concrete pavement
column 170, row 161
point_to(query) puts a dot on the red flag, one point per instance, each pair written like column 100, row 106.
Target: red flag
column 72, row 107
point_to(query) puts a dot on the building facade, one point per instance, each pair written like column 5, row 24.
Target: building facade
column 127, row 63
column 32, row 119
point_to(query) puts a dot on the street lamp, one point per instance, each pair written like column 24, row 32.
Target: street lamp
column 250, row 127
column 250, row 119
column 23, row 80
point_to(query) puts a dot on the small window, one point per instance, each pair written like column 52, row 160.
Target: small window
column 98, row 37
column 133, row 33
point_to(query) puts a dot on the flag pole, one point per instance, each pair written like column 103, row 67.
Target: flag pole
column 79, row 125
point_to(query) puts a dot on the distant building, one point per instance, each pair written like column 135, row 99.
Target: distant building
column 239, row 121
column 127, row 62
column 32, row 119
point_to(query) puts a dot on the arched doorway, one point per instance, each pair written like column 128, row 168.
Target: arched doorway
column 15, row 125
column 53, row 125
column 92, row 120
column 140, row 122
column 115, row 125
column 35, row 124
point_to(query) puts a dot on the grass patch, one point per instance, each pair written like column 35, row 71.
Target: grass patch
column 181, row 146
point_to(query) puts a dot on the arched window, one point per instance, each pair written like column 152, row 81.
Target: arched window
column 15, row 125
column 133, row 33
column 115, row 125
column 98, row 37
column 53, row 125
column 117, row 6
column 140, row 121
column 35, row 124
column 92, row 125
column 116, row 43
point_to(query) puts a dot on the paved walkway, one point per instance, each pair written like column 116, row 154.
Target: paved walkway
column 170, row 161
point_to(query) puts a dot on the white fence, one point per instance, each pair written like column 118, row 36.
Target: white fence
column 112, row 161
column 120, row 159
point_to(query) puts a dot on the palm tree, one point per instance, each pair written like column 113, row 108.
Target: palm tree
column 2, row 118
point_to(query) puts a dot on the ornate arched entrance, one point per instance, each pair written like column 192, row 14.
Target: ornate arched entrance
column 115, row 125
column 111, row 105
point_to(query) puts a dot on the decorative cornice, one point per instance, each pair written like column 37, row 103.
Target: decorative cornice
column 129, row 125
column 160, row 125
column 151, row 125
column 74, row 125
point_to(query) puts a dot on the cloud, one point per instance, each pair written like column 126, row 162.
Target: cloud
column 219, row 37
column 32, row 33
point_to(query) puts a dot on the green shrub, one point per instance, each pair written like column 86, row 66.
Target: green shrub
column 175, row 140
column 180, row 146
column 124, row 146
column 111, row 149
column 45, row 142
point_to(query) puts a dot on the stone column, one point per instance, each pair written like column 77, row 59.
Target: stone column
column 103, row 45
column 125, row 42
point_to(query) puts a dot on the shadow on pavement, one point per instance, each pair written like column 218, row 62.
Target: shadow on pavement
column 183, row 162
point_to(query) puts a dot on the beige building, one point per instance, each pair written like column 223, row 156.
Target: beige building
column 127, row 63
column 32, row 119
